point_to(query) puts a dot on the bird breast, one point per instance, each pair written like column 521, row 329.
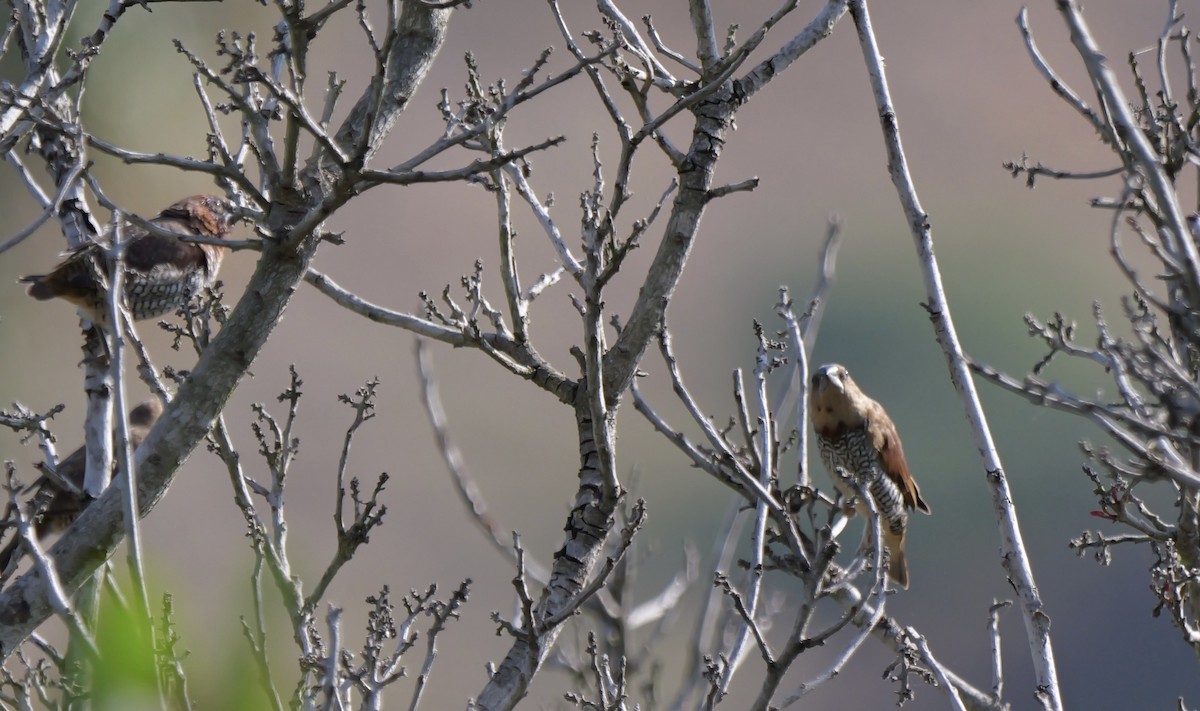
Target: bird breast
column 161, row 290
column 853, row 450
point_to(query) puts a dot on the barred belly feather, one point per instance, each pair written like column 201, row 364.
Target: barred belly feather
column 853, row 454
column 161, row 291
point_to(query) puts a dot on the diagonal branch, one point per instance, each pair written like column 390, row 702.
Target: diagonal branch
column 1014, row 557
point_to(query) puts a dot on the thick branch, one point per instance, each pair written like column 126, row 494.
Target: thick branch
column 713, row 118
column 574, row 570
column 294, row 227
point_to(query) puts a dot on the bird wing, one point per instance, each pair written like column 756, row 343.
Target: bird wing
column 146, row 251
column 891, row 454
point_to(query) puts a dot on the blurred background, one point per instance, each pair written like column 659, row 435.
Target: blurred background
column 968, row 99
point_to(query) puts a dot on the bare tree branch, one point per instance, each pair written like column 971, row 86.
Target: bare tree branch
column 1014, row 557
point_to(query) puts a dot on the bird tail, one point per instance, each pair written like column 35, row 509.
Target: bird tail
column 7, row 554
column 44, row 522
column 898, row 564
column 38, row 286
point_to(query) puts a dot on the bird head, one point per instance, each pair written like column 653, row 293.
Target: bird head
column 146, row 414
column 206, row 216
column 835, row 400
column 212, row 215
column 832, row 375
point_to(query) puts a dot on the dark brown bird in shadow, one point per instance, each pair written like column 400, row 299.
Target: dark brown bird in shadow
column 161, row 273
column 60, row 497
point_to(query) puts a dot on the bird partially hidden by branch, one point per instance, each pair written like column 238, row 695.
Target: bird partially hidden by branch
column 163, row 273
column 60, row 498
column 855, row 434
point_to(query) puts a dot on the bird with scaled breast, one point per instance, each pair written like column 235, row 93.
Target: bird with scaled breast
column 54, row 505
column 161, row 273
column 855, row 434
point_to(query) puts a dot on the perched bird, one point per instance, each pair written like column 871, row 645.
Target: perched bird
column 161, row 273
column 54, row 506
column 855, row 434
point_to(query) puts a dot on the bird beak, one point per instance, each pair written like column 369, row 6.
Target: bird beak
column 827, row 377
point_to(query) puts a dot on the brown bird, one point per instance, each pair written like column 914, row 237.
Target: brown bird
column 55, row 506
column 855, row 434
column 161, row 273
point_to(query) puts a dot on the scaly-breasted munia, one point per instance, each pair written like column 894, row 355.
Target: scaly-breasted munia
column 855, row 434
column 161, row 273
column 54, row 506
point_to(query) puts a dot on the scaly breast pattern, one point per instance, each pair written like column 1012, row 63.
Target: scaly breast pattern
column 854, row 452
